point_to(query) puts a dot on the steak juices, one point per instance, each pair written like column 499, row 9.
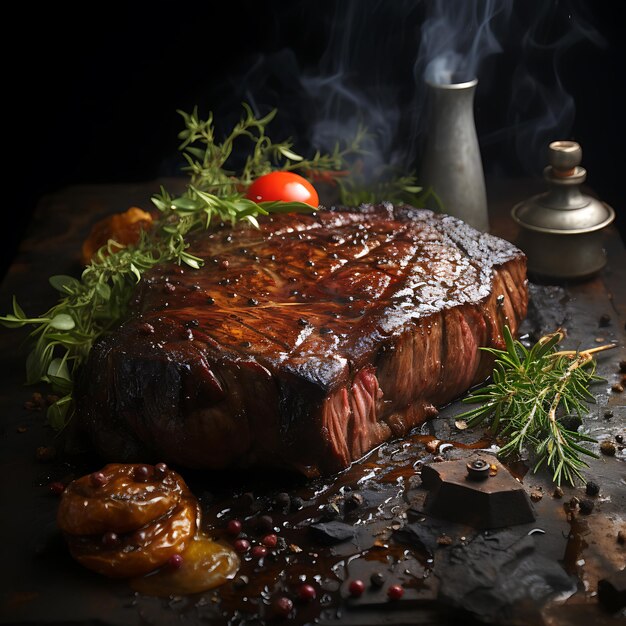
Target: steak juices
column 303, row 344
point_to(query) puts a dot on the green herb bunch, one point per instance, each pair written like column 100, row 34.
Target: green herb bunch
column 530, row 394
column 97, row 301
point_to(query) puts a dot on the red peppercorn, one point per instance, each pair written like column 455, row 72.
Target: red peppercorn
column 270, row 541
column 175, row 561
column 233, row 527
column 241, row 545
column 395, row 592
column 282, row 606
column 307, row 593
column 356, row 588
column 57, row 488
column 258, row 552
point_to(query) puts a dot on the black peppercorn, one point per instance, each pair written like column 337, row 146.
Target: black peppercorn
column 586, row 506
column 377, row 579
column 592, row 489
column 265, row 523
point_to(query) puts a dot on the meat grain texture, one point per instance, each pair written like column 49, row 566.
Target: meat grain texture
column 304, row 344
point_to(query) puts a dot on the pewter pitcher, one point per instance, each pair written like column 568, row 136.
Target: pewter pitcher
column 452, row 164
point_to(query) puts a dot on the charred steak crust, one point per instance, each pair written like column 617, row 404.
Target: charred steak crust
column 304, row 344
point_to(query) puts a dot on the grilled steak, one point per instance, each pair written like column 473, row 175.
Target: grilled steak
column 304, row 344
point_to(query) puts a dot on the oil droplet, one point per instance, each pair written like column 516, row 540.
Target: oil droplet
column 206, row 565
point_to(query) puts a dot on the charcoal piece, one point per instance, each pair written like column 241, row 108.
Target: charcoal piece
column 497, row 576
column 420, row 535
column 332, row 532
column 612, row 591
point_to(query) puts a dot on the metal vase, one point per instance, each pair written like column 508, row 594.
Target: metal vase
column 452, row 164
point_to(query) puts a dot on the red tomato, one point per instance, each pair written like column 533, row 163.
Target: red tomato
column 285, row 186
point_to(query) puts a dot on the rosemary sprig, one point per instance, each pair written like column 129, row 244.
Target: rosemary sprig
column 530, row 393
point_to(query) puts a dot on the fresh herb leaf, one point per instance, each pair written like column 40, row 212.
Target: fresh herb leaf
column 530, row 392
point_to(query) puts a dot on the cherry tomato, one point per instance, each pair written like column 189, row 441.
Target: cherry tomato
column 285, row 186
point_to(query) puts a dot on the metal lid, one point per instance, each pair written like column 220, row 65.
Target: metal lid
column 563, row 209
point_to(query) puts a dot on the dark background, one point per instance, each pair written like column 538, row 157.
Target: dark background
column 91, row 96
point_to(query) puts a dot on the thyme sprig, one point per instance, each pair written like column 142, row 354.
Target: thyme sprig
column 530, row 393
column 97, row 301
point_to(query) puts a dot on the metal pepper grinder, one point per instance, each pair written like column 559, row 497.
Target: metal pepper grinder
column 561, row 229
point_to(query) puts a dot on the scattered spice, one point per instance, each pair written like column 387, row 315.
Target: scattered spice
column 282, row 606
column 557, row 493
column 608, row 448
column 608, row 414
column 617, row 388
column 175, row 561
column 233, row 527
column 307, row 593
column 258, row 552
column 619, row 438
column 282, row 500
column 395, row 592
column 297, row 503
column 493, row 470
column 377, row 579
column 536, row 495
column 586, row 506
column 353, row 500
column 270, row 541
column 241, row 545
column 604, row 320
column 356, row 588
column 432, row 445
column 265, row 523
column 444, row 540
column 294, row 549
column 592, row 489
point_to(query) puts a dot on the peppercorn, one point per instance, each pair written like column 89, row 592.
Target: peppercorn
column 607, row 448
column 395, row 592
column 282, row 500
column 233, row 527
column 175, row 561
column 586, row 506
column 258, row 552
column 265, row 523
column 592, row 489
column 241, row 545
column 377, row 579
column 307, row 593
column 282, row 606
column 356, row 588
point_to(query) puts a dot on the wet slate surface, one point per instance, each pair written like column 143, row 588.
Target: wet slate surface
column 450, row 572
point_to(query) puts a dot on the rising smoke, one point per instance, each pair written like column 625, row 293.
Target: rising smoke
column 378, row 55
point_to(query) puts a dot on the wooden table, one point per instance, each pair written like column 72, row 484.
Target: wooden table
column 42, row 585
